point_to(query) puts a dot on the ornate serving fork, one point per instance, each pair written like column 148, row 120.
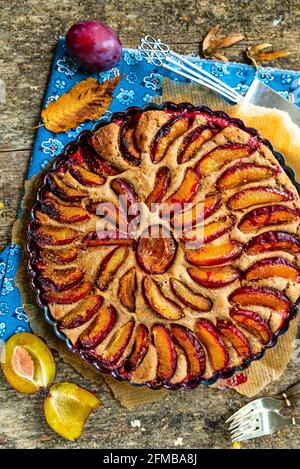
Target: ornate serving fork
column 155, row 52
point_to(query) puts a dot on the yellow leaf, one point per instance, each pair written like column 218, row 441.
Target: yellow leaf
column 87, row 100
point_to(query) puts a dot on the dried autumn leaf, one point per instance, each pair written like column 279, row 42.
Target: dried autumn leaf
column 258, row 54
column 212, row 43
column 22, row 363
column 87, row 100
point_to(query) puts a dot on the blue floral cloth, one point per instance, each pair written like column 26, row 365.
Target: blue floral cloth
column 141, row 82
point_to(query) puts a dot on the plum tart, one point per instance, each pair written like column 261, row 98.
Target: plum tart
column 164, row 246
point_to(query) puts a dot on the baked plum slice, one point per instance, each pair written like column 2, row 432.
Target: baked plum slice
column 253, row 323
column 184, row 194
column 265, row 216
column 82, row 313
column 193, row 350
column 110, row 265
column 126, row 193
column 61, row 279
column 161, row 186
column 235, row 337
column 214, row 254
column 158, row 302
column 192, row 142
column 128, row 146
column 49, row 235
column 166, row 353
column 258, row 196
column 220, row 156
column 127, row 289
column 197, row 213
column 264, row 296
column 244, row 173
column 273, row 241
column 189, row 297
column 212, row 340
column 139, row 349
column 63, row 191
column 72, row 295
column 273, row 267
column 99, row 328
column 62, row 213
column 205, row 233
column 166, row 135
column 94, row 163
column 217, row 277
column 156, row 249
column 117, row 345
column 107, row 238
column 60, row 256
column 84, row 176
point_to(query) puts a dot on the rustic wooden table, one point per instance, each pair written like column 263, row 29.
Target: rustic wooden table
column 28, row 33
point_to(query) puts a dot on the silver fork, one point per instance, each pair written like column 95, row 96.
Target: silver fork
column 277, row 403
column 260, row 423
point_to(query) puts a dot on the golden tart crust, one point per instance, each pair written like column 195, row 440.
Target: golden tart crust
column 181, row 307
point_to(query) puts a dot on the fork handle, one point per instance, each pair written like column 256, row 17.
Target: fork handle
column 292, row 392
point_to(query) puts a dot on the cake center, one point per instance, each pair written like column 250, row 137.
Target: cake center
column 156, row 249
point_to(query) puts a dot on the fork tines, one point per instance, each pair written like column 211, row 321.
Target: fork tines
column 159, row 54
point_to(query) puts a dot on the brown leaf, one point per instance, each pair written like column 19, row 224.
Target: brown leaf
column 212, row 43
column 22, row 363
column 87, row 100
column 258, row 54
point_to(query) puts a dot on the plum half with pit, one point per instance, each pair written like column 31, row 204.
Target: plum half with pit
column 93, row 46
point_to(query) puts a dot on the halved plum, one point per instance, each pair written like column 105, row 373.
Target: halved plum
column 61, row 279
column 189, row 297
column 161, row 186
column 197, row 213
column 273, row 241
column 158, row 302
column 166, row 353
column 213, row 343
column 69, row 296
column 184, row 194
column 62, row 213
column 220, row 156
column 65, row 192
column 27, row 363
column 217, row 277
column 110, row 265
column 67, row 408
column 49, row 235
column 214, row 254
column 244, row 173
column 117, row 344
column 235, row 337
column 253, row 323
column 193, row 350
column 82, row 313
column 273, row 267
column 99, row 328
column 84, row 176
column 265, row 216
column 257, row 196
column 156, row 249
column 263, row 296
column 192, row 142
column 167, row 134
column 127, row 289
column 205, row 233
